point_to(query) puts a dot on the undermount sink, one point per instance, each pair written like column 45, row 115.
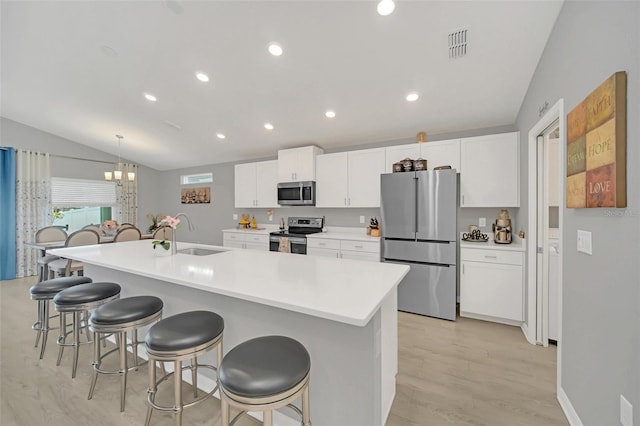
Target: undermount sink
column 197, row 251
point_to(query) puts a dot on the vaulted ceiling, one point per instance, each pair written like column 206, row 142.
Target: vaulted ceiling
column 80, row 70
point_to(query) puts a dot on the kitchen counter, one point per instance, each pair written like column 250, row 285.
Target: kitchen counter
column 517, row 244
column 344, row 312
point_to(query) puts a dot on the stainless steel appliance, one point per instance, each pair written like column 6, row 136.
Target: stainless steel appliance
column 297, row 193
column 419, row 229
column 293, row 239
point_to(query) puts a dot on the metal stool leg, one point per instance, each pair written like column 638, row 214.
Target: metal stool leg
column 194, row 375
column 224, row 411
column 267, row 418
column 38, row 325
column 95, row 364
column 134, row 346
column 306, row 412
column 123, row 369
column 63, row 335
column 177, row 389
column 151, row 392
column 45, row 327
column 76, row 342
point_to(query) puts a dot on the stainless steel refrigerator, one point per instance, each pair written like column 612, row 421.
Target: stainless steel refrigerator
column 419, row 217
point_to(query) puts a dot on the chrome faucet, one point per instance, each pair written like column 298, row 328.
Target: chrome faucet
column 174, row 248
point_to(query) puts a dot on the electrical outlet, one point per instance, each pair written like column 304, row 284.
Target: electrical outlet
column 482, row 222
column 361, row 219
column 584, row 242
column 626, row 412
column 235, row 216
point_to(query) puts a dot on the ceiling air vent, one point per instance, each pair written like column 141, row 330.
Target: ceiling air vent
column 457, row 44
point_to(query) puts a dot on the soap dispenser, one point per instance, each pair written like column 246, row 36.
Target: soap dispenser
column 282, row 223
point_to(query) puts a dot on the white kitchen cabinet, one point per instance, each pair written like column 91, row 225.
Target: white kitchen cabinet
column 490, row 175
column 438, row 153
column 344, row 249
column 442, row 153
column 297, row 164
column 492, row 285
column 393, row 154
column 349, row 179
column 245, row 240
column 256, row 184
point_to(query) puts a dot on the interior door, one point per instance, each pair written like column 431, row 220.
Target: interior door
column 397, row 205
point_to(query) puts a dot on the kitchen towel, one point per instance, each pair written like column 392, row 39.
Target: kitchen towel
column 284, row 246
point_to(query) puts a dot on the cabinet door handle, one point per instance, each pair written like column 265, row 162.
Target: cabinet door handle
column 345, row 201
column 349, row 200
column 358, row 247
column 321, row 244
column 491, row 257
column 462, row 198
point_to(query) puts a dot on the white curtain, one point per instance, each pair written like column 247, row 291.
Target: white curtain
column 127, row 195
column 33, row 206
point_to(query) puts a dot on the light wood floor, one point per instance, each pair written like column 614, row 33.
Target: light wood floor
column 464, row 373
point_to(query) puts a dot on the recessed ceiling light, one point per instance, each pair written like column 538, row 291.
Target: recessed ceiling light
column 268, row 126
column 150, row 97
column 275, row 49
column 386, row 7
column 412, row 97
column 330, row 114
column 202, row 77
column 220, row 136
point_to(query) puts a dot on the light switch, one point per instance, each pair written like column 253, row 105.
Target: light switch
column 584, row 242
column 482, row 222
column 235, row 216
column 361, row 219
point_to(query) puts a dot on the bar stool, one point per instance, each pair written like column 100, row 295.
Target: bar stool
column 43, row 292
column 264, row 374
column 176, row 338
column 119, row 317
column 75, row 300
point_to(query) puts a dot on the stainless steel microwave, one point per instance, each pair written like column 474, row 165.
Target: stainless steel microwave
column 297, row 193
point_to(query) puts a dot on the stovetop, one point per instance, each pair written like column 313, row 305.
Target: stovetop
column 301, row 226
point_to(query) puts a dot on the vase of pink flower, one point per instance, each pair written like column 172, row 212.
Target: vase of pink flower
column 163, row 247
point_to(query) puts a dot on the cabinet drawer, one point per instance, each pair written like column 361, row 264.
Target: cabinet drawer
column 364, row 246
column 257, row 239
column 492, row 256
column 232, row 236
column 323, row 243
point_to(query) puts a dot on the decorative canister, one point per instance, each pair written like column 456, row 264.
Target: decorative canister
column 419, row 164
column 397, row 167
column 407, row 164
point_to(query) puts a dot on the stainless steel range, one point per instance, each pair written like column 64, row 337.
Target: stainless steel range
column 293, row 239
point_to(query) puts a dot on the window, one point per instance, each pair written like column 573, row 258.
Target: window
column 199, row 178
column 80, row 202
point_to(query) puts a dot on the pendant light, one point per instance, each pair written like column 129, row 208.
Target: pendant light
column 117, row 173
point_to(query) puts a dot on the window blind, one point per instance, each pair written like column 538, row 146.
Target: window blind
column 67, row 192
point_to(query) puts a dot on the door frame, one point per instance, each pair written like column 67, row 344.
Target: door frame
column 556, row 112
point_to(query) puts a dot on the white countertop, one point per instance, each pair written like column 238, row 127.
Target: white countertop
column 517, row 244
column 335, row 289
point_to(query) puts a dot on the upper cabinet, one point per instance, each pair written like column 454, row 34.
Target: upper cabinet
column 349, row 179
column 439, row 153
column 297, row 164
column 490, row 175
column 256, row 184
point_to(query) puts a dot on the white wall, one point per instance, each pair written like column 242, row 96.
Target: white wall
column 601, row 293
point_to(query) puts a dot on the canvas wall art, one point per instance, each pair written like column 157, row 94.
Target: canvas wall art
column 200, row 195
column 597, row 147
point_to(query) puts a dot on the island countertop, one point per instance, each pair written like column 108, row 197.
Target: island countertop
column 347, row 291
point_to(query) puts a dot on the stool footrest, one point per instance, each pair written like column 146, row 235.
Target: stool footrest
column 150, row 393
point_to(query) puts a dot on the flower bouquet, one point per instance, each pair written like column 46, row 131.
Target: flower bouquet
column 109, row 228
column 165, row 245
column 155, row 222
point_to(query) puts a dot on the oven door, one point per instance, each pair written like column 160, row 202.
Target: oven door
column 297, row 245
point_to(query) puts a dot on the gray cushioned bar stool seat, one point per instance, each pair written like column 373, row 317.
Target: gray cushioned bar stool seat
column 264, row 374
column 183, row 336
column 43, row 292
column 75, row 300
column 119, row 317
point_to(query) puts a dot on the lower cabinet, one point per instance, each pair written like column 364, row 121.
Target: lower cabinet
column 492, row 285
column 245, row 240
column 344, row 249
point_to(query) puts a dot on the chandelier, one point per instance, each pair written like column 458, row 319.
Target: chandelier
column 117, row 173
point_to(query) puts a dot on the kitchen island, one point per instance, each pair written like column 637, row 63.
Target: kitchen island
column 344, row 312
